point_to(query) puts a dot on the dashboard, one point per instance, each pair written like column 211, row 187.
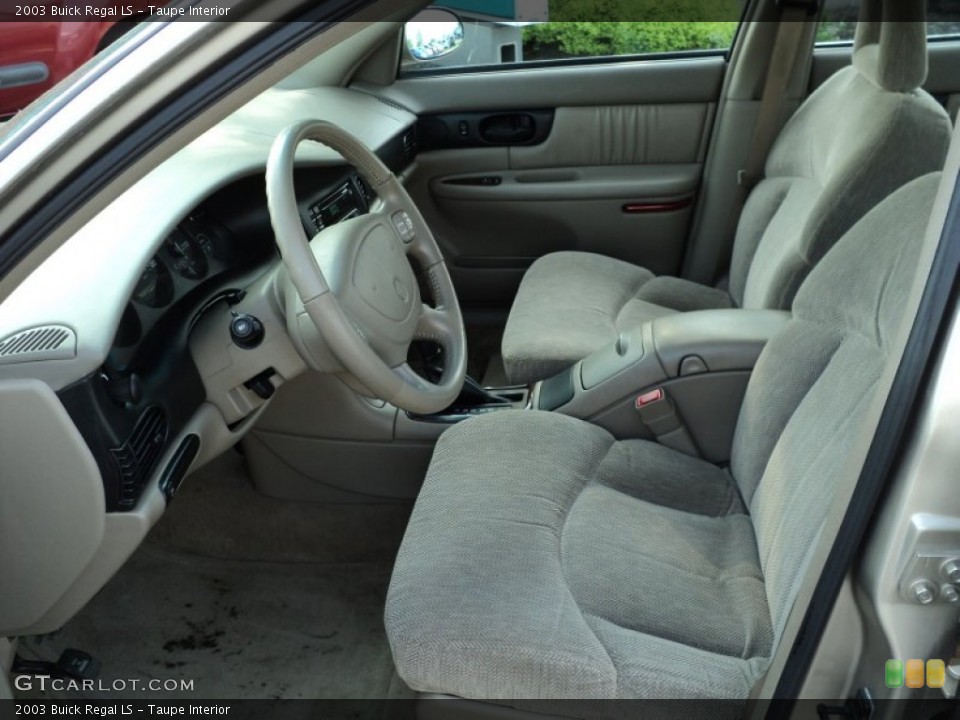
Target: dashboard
column 121, row 299
column 149, row 387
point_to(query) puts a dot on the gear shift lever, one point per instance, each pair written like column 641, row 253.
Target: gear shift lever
column 472, row 394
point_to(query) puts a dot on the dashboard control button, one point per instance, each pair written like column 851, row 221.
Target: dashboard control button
column 246, row 331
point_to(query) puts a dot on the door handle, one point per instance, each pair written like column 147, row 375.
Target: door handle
column 508, row 128
column 30, row 73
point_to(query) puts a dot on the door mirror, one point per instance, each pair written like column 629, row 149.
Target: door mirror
column 433, row 33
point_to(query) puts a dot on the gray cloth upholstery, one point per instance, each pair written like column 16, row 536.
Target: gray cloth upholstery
column 495, row 592
column 682, row 295
column 570, row 303
column 706, row 490
column 545, row 559
column 890, row 44
column 826, row 169
column 864, row 133
column 814, row 381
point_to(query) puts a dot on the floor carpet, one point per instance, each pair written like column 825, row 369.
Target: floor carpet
column 248, row 597
column 217, row 513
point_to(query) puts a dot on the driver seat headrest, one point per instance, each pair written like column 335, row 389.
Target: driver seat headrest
column 890, row 48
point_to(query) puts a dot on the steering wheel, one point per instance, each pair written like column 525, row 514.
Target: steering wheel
column 356, row 282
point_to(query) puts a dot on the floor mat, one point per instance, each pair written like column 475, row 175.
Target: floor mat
column 236, row 629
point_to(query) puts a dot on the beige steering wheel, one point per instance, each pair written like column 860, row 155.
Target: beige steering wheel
column 356, row 282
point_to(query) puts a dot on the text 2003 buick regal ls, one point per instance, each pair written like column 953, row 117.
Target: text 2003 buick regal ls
column 355, row 355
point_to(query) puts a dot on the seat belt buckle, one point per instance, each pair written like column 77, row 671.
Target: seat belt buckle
column 661, row 418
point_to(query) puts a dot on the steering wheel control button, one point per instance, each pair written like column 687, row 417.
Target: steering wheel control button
column 404, row 225
column 246, row 331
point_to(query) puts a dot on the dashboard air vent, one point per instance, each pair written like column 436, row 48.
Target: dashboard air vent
column 410, row 143
column 51, row 342
column 137, row 457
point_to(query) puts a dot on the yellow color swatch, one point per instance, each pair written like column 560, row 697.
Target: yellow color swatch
column 935, row 673
column 914, row 677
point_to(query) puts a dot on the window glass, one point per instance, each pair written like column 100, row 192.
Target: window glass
column 514, row 32
column 840, row 20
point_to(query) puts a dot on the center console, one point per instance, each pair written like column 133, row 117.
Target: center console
column 697, row 363
column 475, row 399
column 701, row 360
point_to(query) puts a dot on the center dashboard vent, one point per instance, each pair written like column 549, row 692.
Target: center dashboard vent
column 50, row 342
column 138, row 456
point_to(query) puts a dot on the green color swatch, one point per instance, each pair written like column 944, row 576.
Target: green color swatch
column 893, row 673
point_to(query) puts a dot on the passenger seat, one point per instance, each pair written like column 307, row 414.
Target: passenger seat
column 864, row 133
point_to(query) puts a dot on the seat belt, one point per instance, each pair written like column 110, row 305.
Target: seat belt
column 786, row 49
column 794, row 16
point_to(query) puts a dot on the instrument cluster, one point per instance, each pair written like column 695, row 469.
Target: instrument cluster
column 185, row 258
column 198, row 250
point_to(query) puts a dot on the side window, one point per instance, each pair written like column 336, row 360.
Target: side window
column 839, row 20
column 506, row 34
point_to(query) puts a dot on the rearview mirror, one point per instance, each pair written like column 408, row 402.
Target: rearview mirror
column 433, row 33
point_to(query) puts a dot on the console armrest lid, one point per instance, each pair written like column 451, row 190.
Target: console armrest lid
column 723, row 339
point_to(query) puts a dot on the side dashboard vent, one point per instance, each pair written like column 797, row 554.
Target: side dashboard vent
column 50, row 342
column 138, row 456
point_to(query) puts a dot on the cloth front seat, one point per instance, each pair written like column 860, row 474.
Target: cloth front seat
column 864, row 133
column 545, row 559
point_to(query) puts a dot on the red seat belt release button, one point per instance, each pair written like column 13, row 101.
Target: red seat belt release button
column 650, row 397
